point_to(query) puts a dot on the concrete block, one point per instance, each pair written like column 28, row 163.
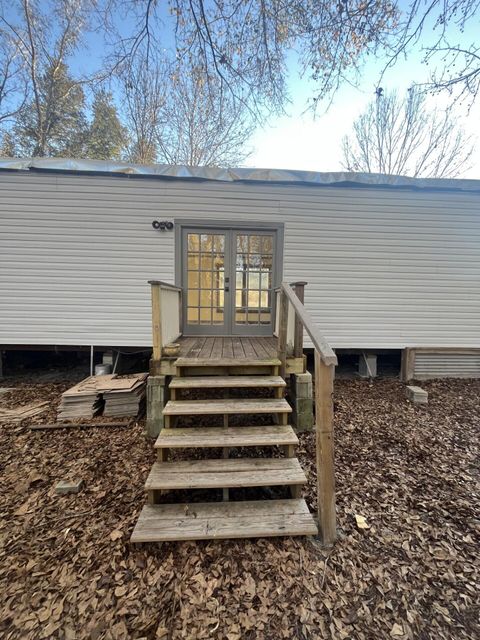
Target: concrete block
column 301, row 395
column 107, row 357
column 302, row 421
column 69, row 486
column 301, row 385
column 156, row 400
column 304, row 405
column 417, row 395
column 303, row 377
column 367, row 365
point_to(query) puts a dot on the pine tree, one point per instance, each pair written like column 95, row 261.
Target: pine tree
column 107, row 138
column 54, row 123
column 7, row 145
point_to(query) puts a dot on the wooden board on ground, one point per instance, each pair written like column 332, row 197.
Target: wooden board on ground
column 78, row 425
column 17, row 414
column 207, row 521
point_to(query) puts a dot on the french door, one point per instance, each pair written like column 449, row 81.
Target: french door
column 228, row 278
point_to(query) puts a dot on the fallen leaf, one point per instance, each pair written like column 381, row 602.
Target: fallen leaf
column 115, row 535
column 396, row 630
column 361, row 522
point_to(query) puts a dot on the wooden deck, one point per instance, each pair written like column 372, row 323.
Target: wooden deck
column 228, row 347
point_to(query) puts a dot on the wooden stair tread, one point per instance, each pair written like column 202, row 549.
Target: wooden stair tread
column 224, row 382
column 218, row 520
column 222, row 473
column 226, row 437
column 227, row 362
column 227, row 406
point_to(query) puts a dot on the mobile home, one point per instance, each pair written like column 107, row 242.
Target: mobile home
column 390, row 263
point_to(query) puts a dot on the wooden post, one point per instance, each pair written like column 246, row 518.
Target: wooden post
column 407, row 371
column 324, row 375
column 282, row 333
column 156, row 321
column 298, row 340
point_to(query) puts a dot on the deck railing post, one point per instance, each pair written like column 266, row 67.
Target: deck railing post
column 299, row 288
column 282, row 333
column 324, row 375
column 156, row 320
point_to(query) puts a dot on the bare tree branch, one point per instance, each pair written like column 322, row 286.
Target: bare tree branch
column 396, row 136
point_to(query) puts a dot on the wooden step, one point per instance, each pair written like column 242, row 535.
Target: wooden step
column 225, row 382
column 226, row 437
column 218, row 520
column 227, row 362
column 223, row 473
column 227, row 406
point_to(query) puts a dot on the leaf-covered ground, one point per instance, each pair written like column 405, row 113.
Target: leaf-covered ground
column 68, row 571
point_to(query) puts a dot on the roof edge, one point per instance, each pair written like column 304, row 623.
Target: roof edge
column 241, row 174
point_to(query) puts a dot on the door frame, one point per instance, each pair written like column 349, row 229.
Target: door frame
column 278, row 228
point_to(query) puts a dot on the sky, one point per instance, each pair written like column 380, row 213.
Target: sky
column 301, row 141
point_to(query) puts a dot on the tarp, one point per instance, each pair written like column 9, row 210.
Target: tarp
column 242, row 174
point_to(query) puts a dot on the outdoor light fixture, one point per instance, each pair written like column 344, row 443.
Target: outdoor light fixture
column 165, row 225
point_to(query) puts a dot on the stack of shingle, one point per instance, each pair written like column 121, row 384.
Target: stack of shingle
column 117, row 396
column 81, row 401
column 126, row 397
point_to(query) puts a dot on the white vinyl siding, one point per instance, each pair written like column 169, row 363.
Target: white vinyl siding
column 386, row 268
column 446, row 365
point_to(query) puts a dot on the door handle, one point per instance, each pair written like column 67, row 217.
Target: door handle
column 227, row 289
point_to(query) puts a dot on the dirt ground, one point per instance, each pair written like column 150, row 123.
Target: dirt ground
column 67, row 569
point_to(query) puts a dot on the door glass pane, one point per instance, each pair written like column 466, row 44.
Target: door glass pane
column 206, row 298
column 192, row 316
column 206, row 242
column 266, row 280
column 206, row 261
column 192, row 298
column 254, row 280
column 205, row 278
column 193, row 242
column 193, row 279
column 267, row 245
column 242, row 244
column 206, row 316
column 254, row 244
column 193, row 261
column 218, row 317
column 219, row 244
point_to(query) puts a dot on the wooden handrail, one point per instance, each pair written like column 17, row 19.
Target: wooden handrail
column 319, row 342
column 165, row 285
column 325, row 362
